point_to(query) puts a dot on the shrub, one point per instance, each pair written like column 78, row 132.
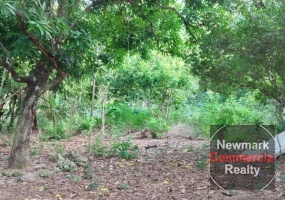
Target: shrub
column 55, row 133
column 88, row 123
column 125, row 150
column 157, row 127
column 123, row 116
column 98, row 148
column 215, row 110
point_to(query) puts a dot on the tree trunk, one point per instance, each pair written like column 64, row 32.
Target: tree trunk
column 35, row 124
column 2, row 81
column 93, row 96
column 12, row 110
column 20, row 146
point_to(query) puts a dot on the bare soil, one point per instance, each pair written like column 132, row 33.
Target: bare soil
column 172, row 168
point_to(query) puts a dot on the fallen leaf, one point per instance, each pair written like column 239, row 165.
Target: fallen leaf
column 166, row 182
column 104, row 189
column 58, row 196
column 41, row 188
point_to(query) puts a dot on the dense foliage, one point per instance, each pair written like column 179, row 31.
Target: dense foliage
column 244, row 49
column 130, row 65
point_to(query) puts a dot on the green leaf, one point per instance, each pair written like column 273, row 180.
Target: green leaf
column 11, row 8
column 41, row 30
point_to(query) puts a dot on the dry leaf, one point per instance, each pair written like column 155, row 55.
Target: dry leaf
column 58, row 196
column 130, row 164
column 166, row 182
column 104, row 189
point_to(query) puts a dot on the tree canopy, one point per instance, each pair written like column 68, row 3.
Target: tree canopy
column 228, row 45
column 244, row 49
column 43, row 42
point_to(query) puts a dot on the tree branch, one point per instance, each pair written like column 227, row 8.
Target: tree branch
column 88, row 8
column 9, row 97
column 7, row 54
column 14, row 74
column 152, row 27
column 58, row 79
column 9, row 66
column 185, row 22
column 38, row 44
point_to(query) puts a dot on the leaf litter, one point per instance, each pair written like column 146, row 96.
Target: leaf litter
column 170, row 169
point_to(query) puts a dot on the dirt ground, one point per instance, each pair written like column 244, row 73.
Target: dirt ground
column 173, row 168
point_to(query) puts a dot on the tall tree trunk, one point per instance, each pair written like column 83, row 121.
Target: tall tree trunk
column 93, row 96
column 13, row 110
column 20, row 146
column 2, row 81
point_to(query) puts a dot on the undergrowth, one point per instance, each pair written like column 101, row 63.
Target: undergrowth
column 126, row 149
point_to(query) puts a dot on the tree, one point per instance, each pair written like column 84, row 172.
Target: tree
column 243, row 47
column 42, row 42
column 160, row 81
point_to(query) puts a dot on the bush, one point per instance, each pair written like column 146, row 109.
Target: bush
column 125, row 150
column 123, row 116
column 88, row 123
column 157, row 127
column 57, row 132
column 215, row 110
column 98, row 148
